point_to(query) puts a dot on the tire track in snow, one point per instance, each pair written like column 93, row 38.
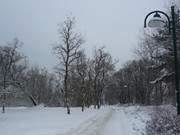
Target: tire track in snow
column 93, row 125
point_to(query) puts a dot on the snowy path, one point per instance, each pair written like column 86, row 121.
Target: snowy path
column 118, row 125
column 113, row 121
column 93, row 125
column 127, row 121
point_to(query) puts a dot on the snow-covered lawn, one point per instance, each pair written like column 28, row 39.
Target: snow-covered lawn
column 55, row 121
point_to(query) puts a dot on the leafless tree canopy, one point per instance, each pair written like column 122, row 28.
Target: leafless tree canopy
column 67, row 52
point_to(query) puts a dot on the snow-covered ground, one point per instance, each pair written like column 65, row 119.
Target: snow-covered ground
column 127, row 121
column 112, row 120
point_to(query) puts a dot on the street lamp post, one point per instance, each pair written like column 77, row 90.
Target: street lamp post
column 157, row 21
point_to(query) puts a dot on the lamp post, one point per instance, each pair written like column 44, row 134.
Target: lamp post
column 157, row 21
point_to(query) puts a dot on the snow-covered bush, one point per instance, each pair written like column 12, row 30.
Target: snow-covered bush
column 164, row 121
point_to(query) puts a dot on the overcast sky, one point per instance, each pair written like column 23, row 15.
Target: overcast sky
column 115, row 24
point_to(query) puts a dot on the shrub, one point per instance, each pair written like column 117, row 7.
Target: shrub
column 164, row 121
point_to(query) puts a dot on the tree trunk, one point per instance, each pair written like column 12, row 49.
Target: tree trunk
column 82, row 108
column 4, row 95
column 68, row 110
column 3, row 107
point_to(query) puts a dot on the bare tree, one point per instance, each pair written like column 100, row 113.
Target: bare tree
column 66, row 50
column 81, row 67
column 89, row 83
column 10, row 67
column 102, row 67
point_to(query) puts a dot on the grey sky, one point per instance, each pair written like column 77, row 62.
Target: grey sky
column 113, row 23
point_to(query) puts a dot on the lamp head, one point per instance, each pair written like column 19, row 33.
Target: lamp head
column 156, row 21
